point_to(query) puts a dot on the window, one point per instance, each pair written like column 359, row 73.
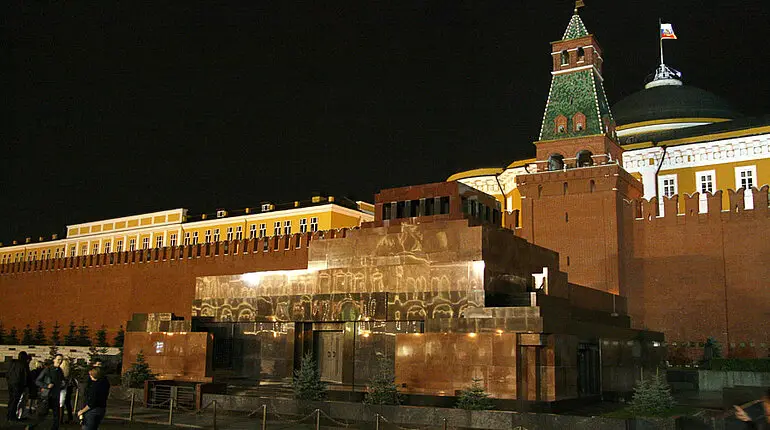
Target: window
column 555, row 162
column 172, row 239
column 95, row 248
column 195, row 238
column 705, row 184
column 48, row 255
column 584, row 158
column 239, row 232
column 262, row 230
column 564, row 58
column 252, row 231
column 56, row 254
column 187, row 238
column 159, row 242
column 146, row 243
column 72, row 251
column 207, row 236
column 287, row 227
column 581, row 54
column 745, row 177
column 303, row 225
column 119, row 246
column 229, row 234
column 313, row 224
column 216, row 235
column 107, row 249
column 277, row 228
column 84, row 250
column 667, row 187
column 132, row 245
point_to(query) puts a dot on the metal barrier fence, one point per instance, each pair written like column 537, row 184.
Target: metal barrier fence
column 172, row 413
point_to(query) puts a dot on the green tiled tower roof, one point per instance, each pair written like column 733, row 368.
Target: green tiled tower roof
column 576, row 90
column 575, row 28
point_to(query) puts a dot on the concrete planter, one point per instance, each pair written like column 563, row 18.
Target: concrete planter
column 717, row 380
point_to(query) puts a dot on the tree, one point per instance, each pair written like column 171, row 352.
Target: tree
column 82, row 336
column 652, row 397
column 55, row 334
column 26, row 336
column 71, row 338
column 13, row 337
column 474, row 398
column 2, row 333
column 39, row 335
column 382, row 388
column 307, row 382
column 137, row 373
column 119, row 338
column 101, row 337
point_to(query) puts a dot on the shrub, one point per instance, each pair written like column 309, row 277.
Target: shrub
column 39, row 334
column 26, row 336
column 137, row 373
column 71, row 339
column 13, row 337
column 55, row 334
column 652, row 397
column 307, row 382
column 474, row 398
column 119, row 338
column 82, row 338
column 382, row 387
column 741, row 364
column 101, row 337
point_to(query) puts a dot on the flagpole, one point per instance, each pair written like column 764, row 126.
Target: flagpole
column 660, row 39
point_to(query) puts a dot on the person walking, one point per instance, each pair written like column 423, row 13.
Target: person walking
column 35, row 367
column 97, row 393
column 65, row 396
column 760, row 423
column 51, row 382
column 17, row 375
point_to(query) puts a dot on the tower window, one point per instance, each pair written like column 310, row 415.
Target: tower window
column 564, row 58
column 592, row 186
column 555, row 162
column 566, row 188
column 560, row 123
column 581, row 54
column 579, row 121
column 584, row 158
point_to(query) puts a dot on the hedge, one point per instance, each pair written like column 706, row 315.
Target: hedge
column 741, row 364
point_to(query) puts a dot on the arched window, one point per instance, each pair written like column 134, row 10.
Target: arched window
column 581, row 55
column 579, row 122
column 584, row 158
column 566, row 188
column 592, row 186
column 564, row 58
column 560, row 124
column 555, row 162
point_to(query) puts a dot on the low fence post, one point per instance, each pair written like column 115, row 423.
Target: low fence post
column 317, row 419
column 171, row 411
column 377, row 421
column 444, row 425
column 131, row 408
column 264, row 416
column 215, row 415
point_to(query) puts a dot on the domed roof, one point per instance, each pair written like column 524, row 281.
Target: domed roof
column 670, row 101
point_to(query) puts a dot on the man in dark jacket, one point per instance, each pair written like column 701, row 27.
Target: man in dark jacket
column 17, row 376
column 51, row 381
column 96, row 400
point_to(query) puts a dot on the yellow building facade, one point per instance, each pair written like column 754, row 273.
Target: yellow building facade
column 175, row 228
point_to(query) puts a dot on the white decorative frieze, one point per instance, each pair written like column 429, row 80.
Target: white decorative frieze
column 699, row 154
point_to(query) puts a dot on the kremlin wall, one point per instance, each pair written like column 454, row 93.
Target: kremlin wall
column 553, row 278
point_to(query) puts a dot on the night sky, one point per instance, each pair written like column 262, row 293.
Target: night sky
column 115, row 108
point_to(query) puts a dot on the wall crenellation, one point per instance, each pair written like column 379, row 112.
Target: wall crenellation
column 216, row 250
column 701, row 208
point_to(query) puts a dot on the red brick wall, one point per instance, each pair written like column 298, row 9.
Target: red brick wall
column 700, row 275
column 110, row 293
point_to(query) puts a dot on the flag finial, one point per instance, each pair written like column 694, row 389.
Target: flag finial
column 579, row 4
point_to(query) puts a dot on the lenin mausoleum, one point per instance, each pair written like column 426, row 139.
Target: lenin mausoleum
column 635, row 233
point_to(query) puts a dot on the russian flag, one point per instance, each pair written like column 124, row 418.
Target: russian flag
column 667, row 31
